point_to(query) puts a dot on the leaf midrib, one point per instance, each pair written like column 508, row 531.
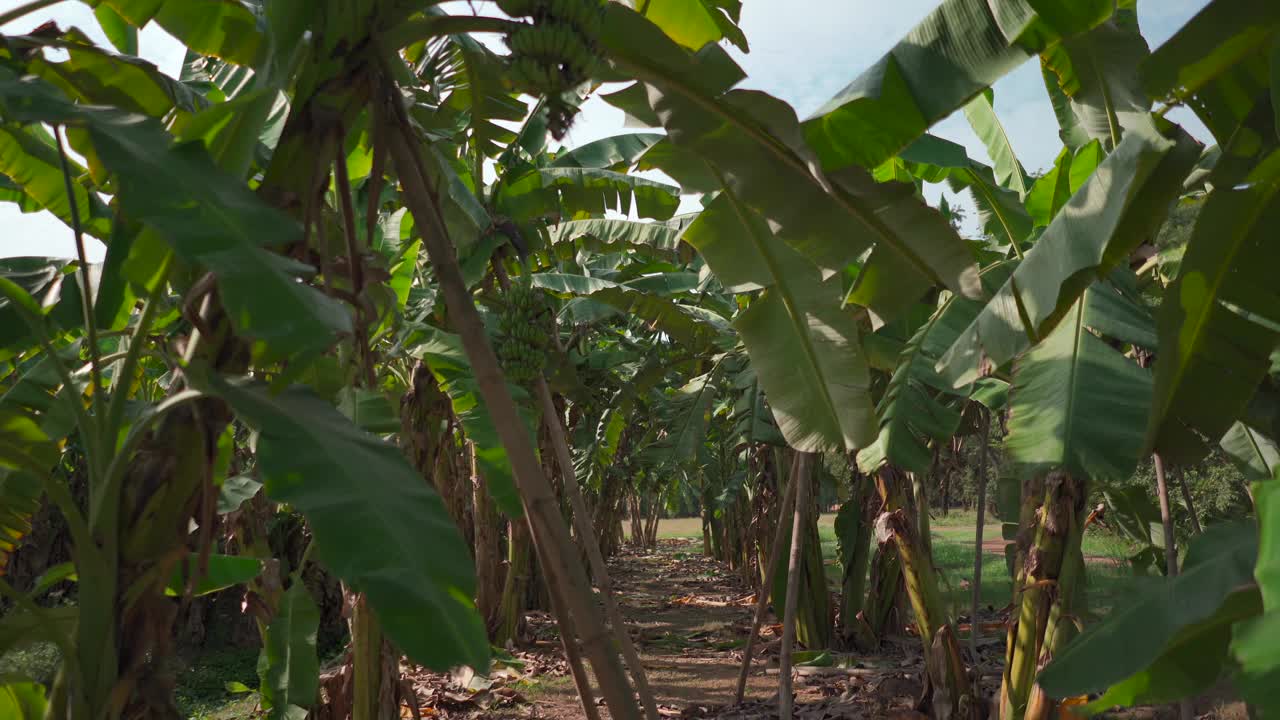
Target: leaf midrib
column 788, row 302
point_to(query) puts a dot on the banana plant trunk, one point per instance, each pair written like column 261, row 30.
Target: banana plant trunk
column 813, row 607
column 948, row 689
column 801, row 470
column 853, row 533
column 1049, row 581
column 884, row 587
column 488, row 546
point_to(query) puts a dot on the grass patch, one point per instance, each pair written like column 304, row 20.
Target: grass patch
column 202, row 687
column 1109, row 576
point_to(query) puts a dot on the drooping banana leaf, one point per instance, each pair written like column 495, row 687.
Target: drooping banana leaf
column 1256, row 455
column 617, row 152
column 372, row 515
column 1219, row 62
column 802, row 344
column 1218, row 323
column 934, row 159
column 682, row 322
column 928, row 75
column 981, row 114
column 208, row 217
column 98, row 77
column 29, row 160
column 1077, row 404
column 917, row 406
column 684, row 424
column 222, row 28
column 1122, row 203
column 694, row 23
column 1098, row 72
column 754, row 146
column 661, row 239
column 1173, row 612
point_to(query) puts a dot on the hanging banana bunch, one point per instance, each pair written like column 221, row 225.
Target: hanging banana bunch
column 553, row 52
column 524, row 332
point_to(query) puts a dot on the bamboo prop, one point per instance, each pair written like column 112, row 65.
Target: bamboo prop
column 550, row 535
column 762, row 598
column 800, row 471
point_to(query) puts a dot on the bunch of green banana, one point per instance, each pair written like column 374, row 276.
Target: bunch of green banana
column 553, row 53
column 524, row 333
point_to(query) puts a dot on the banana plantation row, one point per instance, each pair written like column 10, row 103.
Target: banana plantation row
column 347, row 281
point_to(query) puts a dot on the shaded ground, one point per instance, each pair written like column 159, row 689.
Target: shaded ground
column 690, row 616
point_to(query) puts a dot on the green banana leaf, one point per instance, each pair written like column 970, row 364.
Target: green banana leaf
column 803, row 345
column 1098, row 72
column 917, row 406
column 1122, row 203
column 754, row 146
column 1168, row 615
column 928, row 75
column 371, row 514
column 682, row 322
column 288, row 667
column 981, row 114
column 1076, row 403
column 1218, row 322
column 1253, row 642
column 223, row 28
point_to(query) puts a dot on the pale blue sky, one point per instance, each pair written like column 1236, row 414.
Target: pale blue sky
column 803, row 51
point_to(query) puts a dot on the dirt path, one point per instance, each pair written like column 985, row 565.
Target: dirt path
column 689, row 617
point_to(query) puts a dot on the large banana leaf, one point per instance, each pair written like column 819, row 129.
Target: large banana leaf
column 207, row 216
column 485, row 99
column 803, row 345
column 443, row 354
column 613, row 235
column 682, row 322
column 98, row 77
column 29, row 159
column 1098, row 72
column 1253, row 642
column 1219, row 61
column 931, row 73
column 1218, row 321
column 1256, row 455
column 911, row 411
column 223, row 28
column 288, row 668
column 751, row 417
column 581, row 192
column 1009, row 173
column 1121, row 204
column 616, row 152
column 684, row 426
column 694, row 23
column 1054, row 189
column 933, row 159
column 754, row 146
column 1175, row 614
column 378, row 525
column 1077, row 403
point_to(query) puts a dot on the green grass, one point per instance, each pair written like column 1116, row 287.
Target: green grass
column 1109, row 576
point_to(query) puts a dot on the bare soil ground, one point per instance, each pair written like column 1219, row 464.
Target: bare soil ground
column 689, row 617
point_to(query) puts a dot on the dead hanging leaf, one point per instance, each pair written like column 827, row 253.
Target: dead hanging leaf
column 1067, row 707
